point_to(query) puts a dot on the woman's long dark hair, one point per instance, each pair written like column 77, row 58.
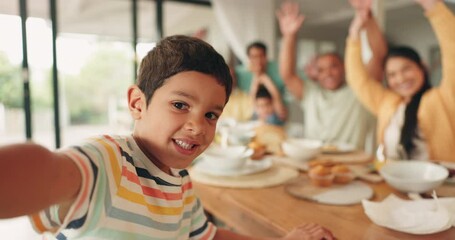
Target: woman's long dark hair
column 409, row 130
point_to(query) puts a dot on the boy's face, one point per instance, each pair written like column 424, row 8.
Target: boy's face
column 179, row 123
column 264, row 108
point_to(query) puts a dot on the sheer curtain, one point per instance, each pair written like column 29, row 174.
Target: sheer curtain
column 245, row 21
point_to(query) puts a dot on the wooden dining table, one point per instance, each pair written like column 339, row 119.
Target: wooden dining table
column 272, row 212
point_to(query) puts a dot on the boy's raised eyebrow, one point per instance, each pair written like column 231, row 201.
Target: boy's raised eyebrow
column 184, row 94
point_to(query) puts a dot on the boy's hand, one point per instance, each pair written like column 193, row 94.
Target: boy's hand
column 309, row 231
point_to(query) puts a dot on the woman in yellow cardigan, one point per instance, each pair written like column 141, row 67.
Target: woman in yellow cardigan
column 413, row 117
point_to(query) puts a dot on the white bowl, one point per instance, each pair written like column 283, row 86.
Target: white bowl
column 413, row 176
column 227, row 158
column 240, row 135
column 301, row 149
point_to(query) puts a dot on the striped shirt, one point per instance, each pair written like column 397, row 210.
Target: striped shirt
column 124, row 195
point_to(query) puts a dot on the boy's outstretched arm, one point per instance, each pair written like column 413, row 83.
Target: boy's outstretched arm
column 33, row 178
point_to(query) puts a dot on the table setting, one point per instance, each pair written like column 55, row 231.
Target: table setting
column 393, row 198
column 409, row 213
column 230, row 162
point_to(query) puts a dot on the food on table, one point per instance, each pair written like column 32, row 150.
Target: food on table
column 323, row 162
column 329, row 148
column 321, row 176
column 271, row 136
column 259, row 150
column 342, row 174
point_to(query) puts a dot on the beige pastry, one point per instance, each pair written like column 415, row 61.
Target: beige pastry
column 271, row 136
column 342, row 174
column 321, row 176
column 259, row 150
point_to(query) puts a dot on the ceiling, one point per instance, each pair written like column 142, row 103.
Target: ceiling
column 325, row 19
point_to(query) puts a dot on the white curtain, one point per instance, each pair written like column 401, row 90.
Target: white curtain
column 245, row 21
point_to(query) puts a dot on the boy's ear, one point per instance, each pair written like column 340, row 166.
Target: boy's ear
column 136, row 102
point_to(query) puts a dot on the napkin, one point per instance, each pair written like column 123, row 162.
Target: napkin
column 423, row 216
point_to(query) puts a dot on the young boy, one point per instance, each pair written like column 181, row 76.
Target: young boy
column 132, row 187
column 269, row 107
column 264, row 108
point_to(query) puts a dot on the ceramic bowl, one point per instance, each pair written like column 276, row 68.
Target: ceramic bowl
column 227, row 158
column 301, row 149
column 413, row 176
column 240, row 136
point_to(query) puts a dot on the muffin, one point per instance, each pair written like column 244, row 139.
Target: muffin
column 330, row 148
column 323, row 162
column 321, row 176
column 342, row 173
column 259, row 150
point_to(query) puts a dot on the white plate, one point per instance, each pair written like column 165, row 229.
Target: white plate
column 338, row 148
column 336, row 194
column 421, row 216
column 251, row 166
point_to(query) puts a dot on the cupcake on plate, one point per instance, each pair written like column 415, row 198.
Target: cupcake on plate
column 342, row 173
column 321, row 176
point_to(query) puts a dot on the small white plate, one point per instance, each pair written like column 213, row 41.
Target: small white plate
column 335, row 148
column 250, row 167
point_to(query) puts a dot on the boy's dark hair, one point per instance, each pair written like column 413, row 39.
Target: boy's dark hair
column 263, row 92
column 177, row 54
column 409, row 129
column 256, row 44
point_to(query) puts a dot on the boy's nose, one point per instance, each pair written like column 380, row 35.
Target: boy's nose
column 195, row 126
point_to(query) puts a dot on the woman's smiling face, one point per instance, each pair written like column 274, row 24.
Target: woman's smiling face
column 404, row 76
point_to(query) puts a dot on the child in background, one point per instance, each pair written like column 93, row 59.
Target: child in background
column 264, row 110
column 269, row 107
column 133, row 187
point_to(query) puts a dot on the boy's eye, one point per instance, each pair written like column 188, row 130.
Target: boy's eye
column 180, row 105
column 211, row 116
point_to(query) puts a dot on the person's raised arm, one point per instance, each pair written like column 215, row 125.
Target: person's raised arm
column 376, row 39
column 254, row 87
column 369, row 91
column 290, row 21
column 32, row 178
column 277, row 101
column 427, row 5
column 443, row 22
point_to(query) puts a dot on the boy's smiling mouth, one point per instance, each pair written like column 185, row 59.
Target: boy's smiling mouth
column 185, row 145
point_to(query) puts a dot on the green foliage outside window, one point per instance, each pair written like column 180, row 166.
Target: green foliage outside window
column 106, row 75
column 10, row 83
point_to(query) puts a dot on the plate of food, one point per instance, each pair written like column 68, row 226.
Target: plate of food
column 336, row 148
column 250, row 167
column 330, row 184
